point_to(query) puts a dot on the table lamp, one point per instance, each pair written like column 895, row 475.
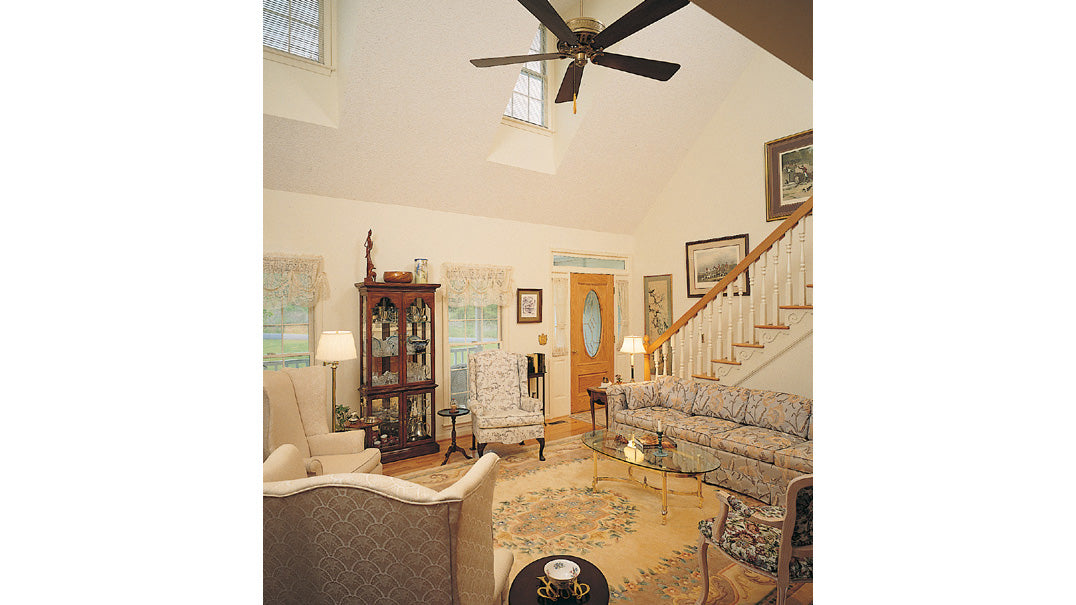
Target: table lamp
column 633, row 345
column 334, row 347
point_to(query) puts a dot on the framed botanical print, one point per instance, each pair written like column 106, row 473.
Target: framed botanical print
column 657, row 298
column 789, row 174
column 528, row 306
column 710, row 260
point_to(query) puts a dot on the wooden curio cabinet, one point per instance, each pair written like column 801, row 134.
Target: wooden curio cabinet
column 396, row 367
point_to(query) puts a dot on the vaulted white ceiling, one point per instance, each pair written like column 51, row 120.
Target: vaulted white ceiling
column 418, row 121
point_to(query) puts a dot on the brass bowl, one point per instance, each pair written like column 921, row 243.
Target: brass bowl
column 398, row 277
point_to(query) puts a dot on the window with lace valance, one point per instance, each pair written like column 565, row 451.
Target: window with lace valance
column 291, row 287
column 477, row 285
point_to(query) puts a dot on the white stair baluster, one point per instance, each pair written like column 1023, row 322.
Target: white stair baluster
column 739, row 313
column 667, row 361
column 788, row 274
column 762, row 287
column 720, row 344
column 803, row 258
column 709, row 338
column 731, row 357
column 776, row 284
column 751, row 287
column 683, row 351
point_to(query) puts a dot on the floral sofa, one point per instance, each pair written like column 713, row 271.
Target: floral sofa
column 763, row 439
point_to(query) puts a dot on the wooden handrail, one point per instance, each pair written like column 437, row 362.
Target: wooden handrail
column 751, row 257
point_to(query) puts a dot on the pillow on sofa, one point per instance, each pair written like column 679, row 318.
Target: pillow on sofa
column 636, row 394
column 719, row 401
column 782, row 412
column 681, row 394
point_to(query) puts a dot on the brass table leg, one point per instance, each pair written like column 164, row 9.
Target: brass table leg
column 595, row 484
column 698, row 478
column 664, row 498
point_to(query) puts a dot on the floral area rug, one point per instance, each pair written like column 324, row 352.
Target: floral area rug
column 550, row 508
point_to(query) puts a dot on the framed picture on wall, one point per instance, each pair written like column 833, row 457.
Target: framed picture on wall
column 528, row 306
column 657, row 300
column 789, row 174
column 710, row 260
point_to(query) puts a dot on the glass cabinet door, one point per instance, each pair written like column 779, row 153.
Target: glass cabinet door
column 420, row 416
column 385, row 343
column 387, row 433
column 419, row 341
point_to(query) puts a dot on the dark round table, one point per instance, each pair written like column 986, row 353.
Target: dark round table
column 524, row 590
column 453, row 415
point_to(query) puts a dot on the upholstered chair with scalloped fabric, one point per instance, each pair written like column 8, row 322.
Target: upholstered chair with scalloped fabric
column 363, row 538
column 771, row 540
column 502, row 410
column 298, row 413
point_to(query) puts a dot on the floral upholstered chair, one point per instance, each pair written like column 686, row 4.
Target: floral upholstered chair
column 502, row 409
column 771, row 540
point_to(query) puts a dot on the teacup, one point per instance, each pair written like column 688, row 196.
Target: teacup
column 560, row 580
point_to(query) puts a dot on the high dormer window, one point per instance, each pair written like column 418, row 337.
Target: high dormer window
column 528, row 95
column 299, row 32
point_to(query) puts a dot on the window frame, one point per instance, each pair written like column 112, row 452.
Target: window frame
column 326, row 40
column 449, row 345
column 547, row 113
column 310, row 334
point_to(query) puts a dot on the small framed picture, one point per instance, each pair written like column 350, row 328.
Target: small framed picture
column 528, row 306
column 789, row 174
column 710, row 260
column 657, row 296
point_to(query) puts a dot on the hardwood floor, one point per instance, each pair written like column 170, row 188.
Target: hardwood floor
column 556, row 428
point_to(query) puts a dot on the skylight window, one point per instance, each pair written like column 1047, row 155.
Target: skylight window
column 294, row 26
column 528, row 95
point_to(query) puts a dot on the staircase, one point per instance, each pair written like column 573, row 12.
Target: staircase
column 760, row 310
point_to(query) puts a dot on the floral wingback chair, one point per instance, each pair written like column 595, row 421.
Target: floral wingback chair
column 771, row 540
column 502, row 410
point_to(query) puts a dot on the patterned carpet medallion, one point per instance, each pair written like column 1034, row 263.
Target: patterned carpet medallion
column 548, row 508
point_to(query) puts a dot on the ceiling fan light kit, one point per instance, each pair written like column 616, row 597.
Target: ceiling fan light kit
column 584, row 40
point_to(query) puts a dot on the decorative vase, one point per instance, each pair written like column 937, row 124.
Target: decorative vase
column 422, row 275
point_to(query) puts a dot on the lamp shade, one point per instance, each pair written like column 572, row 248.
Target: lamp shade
column 336, row 346
column 632, row 345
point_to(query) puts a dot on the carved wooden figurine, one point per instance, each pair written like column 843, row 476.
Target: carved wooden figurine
column 371, row 275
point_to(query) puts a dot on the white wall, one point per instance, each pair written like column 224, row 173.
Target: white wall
column 336, row 229
column 718, row 190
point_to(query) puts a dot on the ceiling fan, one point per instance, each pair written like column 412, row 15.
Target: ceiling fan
column 584, row 39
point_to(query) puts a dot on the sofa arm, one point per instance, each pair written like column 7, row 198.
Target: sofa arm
column 328, row 444
column 284, row 464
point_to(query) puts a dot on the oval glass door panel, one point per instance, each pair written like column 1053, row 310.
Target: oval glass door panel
column 592, row 323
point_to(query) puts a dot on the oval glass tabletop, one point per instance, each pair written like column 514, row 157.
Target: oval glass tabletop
column 686, row 457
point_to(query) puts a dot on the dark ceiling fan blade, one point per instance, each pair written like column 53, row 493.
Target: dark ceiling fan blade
column 569, row 87
column 648, row 12
column 659, row 70
column 515, row 59
column 551, row 19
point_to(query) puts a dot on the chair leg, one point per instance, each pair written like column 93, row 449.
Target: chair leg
column 703, row 545
column 541, row 449
column 481, row 449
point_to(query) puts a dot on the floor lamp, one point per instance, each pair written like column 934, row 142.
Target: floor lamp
column 334, row 347
column 632, row 345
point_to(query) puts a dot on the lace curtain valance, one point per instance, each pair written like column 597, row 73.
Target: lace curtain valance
column 293, row 280
column 477, row 285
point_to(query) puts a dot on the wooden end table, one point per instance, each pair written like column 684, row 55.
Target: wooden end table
column 598, row 395
column 524, row 590
column 453, row 415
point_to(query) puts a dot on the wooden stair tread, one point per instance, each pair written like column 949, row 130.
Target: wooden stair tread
column 705, row 377
column 726, row 361
column 773, row 327
column 796, row 307
column 747, row 344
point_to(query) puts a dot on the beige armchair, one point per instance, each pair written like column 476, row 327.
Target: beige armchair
column 361, row 538
column 502, row 409
column 298, row 404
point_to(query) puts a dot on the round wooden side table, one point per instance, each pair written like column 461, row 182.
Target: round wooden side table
column 453, row 415
column 524, row 590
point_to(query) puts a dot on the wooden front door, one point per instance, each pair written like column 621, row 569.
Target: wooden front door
column 592, row 335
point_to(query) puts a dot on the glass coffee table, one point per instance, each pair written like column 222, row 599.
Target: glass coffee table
column 686, row 460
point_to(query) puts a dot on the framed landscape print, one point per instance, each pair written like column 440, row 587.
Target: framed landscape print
column 657, row 297
column 528, row 306
column 710, row 260
column 789, row 174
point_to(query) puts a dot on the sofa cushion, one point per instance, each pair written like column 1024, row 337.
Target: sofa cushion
column 680, row 395
column 365, row 461
column 495, row 418
column 638, row 394
column 799, row 457
column 755, row 442
column 699, row 429
column 647, row 418
column 720, row 401
column 782, row 412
